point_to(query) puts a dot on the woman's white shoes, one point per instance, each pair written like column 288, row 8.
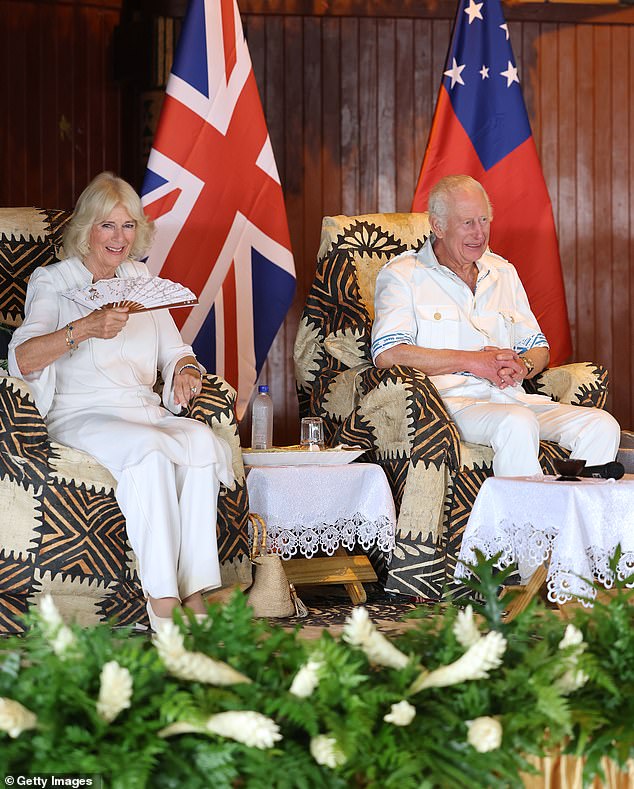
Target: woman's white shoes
column 156, row 621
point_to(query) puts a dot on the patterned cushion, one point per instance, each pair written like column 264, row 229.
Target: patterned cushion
column 29, row 238
column 397, row 414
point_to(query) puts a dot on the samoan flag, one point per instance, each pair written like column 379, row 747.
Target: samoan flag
column 213, row 189
column 481, row 128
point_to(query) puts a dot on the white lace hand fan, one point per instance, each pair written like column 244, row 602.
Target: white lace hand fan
column 138, row 294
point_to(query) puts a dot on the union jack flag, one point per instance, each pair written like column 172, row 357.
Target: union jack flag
column 213, row 189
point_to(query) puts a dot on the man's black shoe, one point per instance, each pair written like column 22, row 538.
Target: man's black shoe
column 612, row 470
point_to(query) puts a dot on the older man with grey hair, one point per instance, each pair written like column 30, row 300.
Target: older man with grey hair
column 459, row 313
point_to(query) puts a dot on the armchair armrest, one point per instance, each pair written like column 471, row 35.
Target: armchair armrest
column 25, row 448
column 215, row 405
column 583, row 383
column 400, row 413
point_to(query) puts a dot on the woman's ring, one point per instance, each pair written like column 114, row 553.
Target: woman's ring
column 194, row 390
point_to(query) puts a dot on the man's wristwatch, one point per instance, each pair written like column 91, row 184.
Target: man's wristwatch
column 529, row 364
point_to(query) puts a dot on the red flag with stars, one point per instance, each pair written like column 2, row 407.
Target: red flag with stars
column 481, row 128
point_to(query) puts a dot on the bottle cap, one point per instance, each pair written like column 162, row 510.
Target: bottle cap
column 263, row 389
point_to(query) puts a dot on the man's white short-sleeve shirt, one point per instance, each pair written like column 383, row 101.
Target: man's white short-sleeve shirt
column 420, row 302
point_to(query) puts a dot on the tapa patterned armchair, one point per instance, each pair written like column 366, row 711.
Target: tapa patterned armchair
column 397, row 414
column 61, row 529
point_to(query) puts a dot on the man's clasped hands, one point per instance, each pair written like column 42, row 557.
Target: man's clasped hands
column 502, row 366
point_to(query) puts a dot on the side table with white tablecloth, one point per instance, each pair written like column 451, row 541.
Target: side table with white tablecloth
column 313, row 509
column 575, row 526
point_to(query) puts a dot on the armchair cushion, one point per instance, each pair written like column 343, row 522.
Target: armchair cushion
column 397, row 414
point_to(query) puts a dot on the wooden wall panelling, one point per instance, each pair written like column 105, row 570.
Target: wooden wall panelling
column 60, row 106
column 604, row 121
column 566, row 182
column 404, row 113
column 367, row 81
column 350, row 115
column 585, row 194
column 620, row 142
column 386, row 153
column 331, row 116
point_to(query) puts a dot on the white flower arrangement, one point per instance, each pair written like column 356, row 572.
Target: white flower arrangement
column 572, row 678
column 401, row 714
column 193, row 666
column 325, row 750
column 250, row 728
column 359, row 631
column 465, row 628
column 477, row 661
column 484, row 734
column 115, row 691
column 14, row 718
column 59, row 636
column 306, row 679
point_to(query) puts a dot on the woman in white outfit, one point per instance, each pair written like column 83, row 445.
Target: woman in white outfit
column 92, row 376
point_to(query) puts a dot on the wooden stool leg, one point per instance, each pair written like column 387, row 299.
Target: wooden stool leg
column 355, row 589
column 525, row 593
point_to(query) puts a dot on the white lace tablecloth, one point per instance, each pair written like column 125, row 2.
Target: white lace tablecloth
column 577, row 524
column 311, row 508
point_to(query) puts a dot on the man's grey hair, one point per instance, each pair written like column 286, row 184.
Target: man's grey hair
column 442, row 192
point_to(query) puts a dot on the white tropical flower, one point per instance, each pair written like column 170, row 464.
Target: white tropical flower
column 477, row 661
column 49, row 614
column 193, row 666
column 572, row 678
column 465, row 628
column 14, row 718
column 251, row 728
column 573, row 637
column 115, row 691
column 359, row 631
column 401, row 714
column 484, row 734
column 306, row 679
column 325, row 750
column 60, row 637
column 181, row 727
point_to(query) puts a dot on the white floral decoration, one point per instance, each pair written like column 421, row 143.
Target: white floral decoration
column 245, row 726
column 14, row 718
column 401, row 714
column 193, row 666
column 573, row 637
column 477, row 661
column 484, row 734
column 359, row 631
column 59, row 636
column 306, row 679
column 572, row 678
column 115, row 691
column 465, row 628
column 325, row 750
column 251, row 728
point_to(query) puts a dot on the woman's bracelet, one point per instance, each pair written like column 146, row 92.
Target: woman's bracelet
column 190, row 366
column 70, row 342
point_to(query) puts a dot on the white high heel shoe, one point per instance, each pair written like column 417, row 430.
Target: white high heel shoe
column 156, row 621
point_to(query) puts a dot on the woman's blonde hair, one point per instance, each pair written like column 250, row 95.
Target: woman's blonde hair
column 95, row 203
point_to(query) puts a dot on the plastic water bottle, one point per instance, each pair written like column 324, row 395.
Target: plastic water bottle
column 262, row 420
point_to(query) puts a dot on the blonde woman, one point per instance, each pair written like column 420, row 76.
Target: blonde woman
column 92, row 375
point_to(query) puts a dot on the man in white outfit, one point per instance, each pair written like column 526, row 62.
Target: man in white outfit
column 460, row 314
